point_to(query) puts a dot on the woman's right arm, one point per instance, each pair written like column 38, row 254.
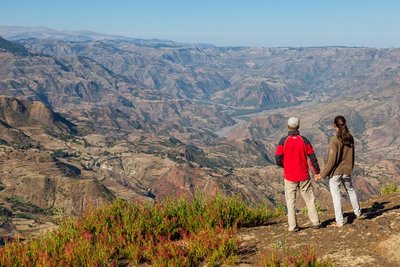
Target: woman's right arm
column 332, row 155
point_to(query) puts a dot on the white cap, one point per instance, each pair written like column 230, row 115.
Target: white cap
column 293, row 122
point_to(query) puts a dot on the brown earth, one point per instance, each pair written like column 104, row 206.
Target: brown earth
column 371, row 242
column 145, row 119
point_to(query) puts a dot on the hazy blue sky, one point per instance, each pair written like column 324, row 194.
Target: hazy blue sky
column 221, row 22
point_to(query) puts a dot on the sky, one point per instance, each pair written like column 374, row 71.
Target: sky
column 296, row 23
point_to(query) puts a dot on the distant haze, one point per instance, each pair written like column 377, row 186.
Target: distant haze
column 223, row 23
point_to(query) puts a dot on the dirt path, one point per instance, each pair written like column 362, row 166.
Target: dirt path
column 374, row 241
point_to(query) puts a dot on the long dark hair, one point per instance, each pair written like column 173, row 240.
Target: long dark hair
column 343, row 133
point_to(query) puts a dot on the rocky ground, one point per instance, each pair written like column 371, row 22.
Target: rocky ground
column 371, row 242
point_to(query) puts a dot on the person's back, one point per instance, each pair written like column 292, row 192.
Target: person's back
column 340, row 158
column 291, row 154
column 295, row 149
column 339, row 167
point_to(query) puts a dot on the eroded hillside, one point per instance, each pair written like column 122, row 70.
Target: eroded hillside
column 82, row 122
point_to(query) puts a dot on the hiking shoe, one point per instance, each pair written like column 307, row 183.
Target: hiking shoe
column 295, row 230
column 317, row 226
column 337, row 225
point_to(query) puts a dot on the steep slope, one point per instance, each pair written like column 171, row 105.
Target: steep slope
column 20, row 119
column 32, row 178
column 94, row 96
column 14, row 137
column 12, row 47
column 24, row 113
column 223, row 74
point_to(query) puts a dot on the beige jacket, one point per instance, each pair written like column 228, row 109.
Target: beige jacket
column 340, row 159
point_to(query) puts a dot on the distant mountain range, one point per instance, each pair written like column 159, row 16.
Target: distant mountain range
column 143, row 118
column 14, row 33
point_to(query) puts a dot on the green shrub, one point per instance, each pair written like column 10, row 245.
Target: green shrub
column 59, row 153
column 25, row 215
column 390, row 188
column 286, row 257
column 318, row 206
column 279, row 210
column 177, row 232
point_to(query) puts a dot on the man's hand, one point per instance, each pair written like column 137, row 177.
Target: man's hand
column 317, row 177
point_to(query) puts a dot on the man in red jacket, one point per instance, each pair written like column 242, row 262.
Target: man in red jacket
column 291, row 154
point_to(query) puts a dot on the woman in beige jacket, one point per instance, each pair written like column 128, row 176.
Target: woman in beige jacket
column 339, row 168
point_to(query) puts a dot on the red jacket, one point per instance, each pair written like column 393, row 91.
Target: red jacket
column 291, row 154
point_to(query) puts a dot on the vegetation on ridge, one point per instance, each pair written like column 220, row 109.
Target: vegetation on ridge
column 390, row 188
column 177, row 232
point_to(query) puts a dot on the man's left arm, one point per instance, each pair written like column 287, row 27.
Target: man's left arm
column 279, row 153
column 312, row 157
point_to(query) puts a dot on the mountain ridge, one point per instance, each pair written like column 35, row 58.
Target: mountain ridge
column 147, row 116
column 20, row 32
